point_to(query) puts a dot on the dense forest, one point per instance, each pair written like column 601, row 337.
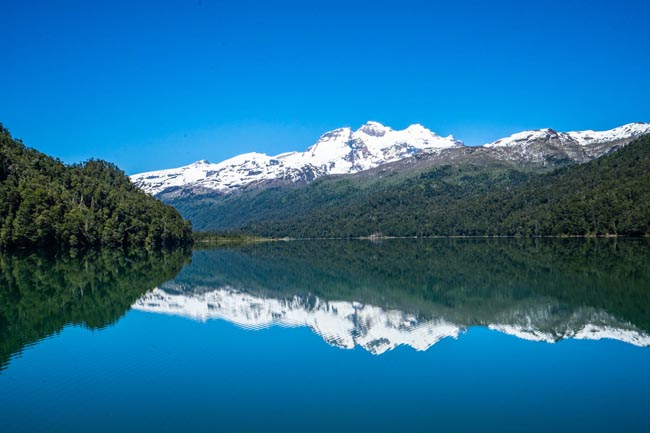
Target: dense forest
column 45, row 203
column 607, row 196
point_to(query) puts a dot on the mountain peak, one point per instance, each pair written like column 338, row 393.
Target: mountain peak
column 524, row 137
column 340, row 151
column 374, row 129
column 417, row 127
column 334, row 135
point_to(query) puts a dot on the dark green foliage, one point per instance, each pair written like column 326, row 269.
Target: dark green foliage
column 608, row 196
column 45, row 203
column 40, row 294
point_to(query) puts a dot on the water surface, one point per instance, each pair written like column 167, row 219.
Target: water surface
column 436, row 335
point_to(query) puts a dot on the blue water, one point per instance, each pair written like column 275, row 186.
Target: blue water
column 152, row 372
column 158, row 373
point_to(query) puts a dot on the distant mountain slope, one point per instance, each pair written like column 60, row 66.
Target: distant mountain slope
column 607, row 196
column 405, row 188
column 610, row 195
column 344, row 151
column 547, row 146
column 46, row 203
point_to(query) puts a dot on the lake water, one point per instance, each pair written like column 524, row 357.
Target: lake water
column 404, row 335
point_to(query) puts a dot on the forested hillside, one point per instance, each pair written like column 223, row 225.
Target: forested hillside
column 396, row 184
column 608, row 196
column 45, row 203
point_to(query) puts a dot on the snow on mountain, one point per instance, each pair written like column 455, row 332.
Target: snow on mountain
column 582, row 138
column 344, row 151
column 625, row 132
column 527, row 137
column 349, row 324
column 230, row 174
column 547, row 146
column 337, row 152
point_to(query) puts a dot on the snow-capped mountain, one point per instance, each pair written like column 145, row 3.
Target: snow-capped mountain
column 349, row 324
column 344, row 151
column 547, row 145
column 581, row 138
column 340, row 151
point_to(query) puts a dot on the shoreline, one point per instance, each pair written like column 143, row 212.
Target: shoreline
column 254, row 239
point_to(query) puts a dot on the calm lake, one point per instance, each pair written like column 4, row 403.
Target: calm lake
column 440, row 335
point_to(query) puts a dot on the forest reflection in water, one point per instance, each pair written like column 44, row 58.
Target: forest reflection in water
column 42, row 293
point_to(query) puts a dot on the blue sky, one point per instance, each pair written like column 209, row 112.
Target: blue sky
column 161, row 84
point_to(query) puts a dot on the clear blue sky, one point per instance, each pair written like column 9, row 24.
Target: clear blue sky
column 161, row 84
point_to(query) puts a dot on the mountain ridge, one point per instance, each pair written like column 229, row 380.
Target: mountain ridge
column 344, row 151
column 340, row 151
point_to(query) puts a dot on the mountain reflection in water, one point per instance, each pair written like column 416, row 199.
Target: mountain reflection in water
column 418, row 292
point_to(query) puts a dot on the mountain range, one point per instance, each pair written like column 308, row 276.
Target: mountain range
column 344, row 151
column 377, row 181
